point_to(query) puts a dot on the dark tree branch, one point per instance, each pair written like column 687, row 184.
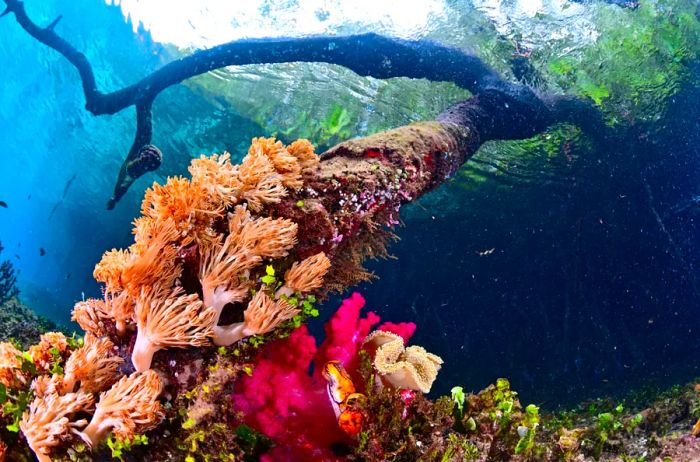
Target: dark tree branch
column 505, row 110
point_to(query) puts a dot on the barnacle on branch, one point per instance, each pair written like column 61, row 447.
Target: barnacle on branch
column 129, row 407
column 47, row 422
column 169, row 319
column 94, row 366
column 262, row 316
column 90, row 315
column 412, row 367
column 306, row 275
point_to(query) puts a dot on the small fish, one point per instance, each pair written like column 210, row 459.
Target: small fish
column 17, row 257
column 68, row 276
column 42, row 252
column 483, row 253
column 344, row 399
column 3, row 204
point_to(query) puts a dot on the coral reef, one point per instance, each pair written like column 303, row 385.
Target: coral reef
column 197, row 349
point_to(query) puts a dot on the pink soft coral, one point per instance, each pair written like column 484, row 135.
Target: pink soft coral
column 290, row 406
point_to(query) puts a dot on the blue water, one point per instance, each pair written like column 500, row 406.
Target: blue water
column 585, row 292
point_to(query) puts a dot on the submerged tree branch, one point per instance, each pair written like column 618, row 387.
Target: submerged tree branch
column 506, row 110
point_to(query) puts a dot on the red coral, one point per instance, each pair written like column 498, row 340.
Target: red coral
column 292, row 407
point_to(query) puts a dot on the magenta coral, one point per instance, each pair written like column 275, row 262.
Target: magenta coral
column 292, row 407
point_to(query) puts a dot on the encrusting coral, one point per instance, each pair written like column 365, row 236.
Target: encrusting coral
column 411, row 367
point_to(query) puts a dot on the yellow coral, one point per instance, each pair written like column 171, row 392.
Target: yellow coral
column 47, row 421
column 129, row 407
column 169, row 319
column 412, row 367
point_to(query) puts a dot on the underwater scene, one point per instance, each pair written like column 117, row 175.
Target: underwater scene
column 313, row 230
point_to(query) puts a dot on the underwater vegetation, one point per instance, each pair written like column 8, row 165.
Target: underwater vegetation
column 197, row 349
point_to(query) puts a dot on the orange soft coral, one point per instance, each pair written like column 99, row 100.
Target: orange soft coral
column 218, row 177
column 47, row 422
column 283, row 162
column 10, row 364
column 94, row 366
column 169, row 319
column 109, row 270
column 129, row 407
column 306, row 275
column 43, row 354
column 186, row 203
column 303, row 150
column 225, row 265
column 268, row 237
column 91, row 315
column 262, row 316
column 260, row 182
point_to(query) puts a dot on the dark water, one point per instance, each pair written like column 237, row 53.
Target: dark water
column 575, row 280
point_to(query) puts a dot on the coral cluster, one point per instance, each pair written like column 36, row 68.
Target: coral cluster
column 207, row 252
column 283, row 401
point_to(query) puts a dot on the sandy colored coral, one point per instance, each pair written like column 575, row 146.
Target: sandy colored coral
column 10, row 375
column 91, row 315
column 48, row 422
column 94, row 365
column 262, row 315
column 131, row 406
column 169, row 319
column 306, row 275
column 411, row 367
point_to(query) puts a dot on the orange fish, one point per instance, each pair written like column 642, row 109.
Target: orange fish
column 344, row 398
